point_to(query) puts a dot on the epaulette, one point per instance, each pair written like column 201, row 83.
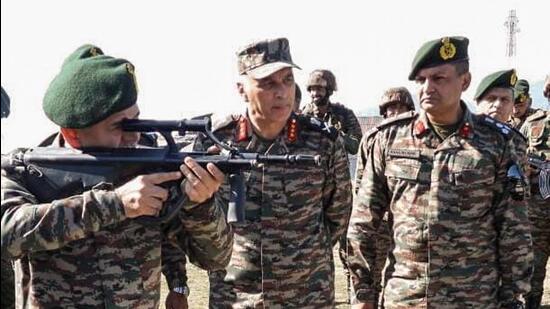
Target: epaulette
column 221, row 121
column 317, row 125
column 504, row 129
column 394, row 120
column 537, row 116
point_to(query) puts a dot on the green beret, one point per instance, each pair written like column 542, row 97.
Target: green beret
column 521, row 91
column 500, row 79
column 438, row 52
column 5, row 104
column 89, row 88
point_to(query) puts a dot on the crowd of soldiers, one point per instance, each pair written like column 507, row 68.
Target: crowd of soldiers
column 444, row 212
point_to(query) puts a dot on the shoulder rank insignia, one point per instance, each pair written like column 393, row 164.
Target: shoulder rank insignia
column 447, row 50
column 504, row 129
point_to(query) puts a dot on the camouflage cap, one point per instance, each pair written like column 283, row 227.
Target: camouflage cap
column 521, row 91
column 396, row 95
column 500, row 79
column 263, row 58
column 5, row 104
column 438, row 52
column 89, row 88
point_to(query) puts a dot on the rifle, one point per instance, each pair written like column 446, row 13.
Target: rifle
column 56, row 173
column 544, row 174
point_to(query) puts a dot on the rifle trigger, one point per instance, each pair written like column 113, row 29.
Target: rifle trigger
column 34, row 171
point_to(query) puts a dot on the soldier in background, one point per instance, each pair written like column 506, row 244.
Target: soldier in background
column 537, row 131
column 87, row 250
column 321, row 85
column 522, row 104
column 457, row 239
column 282, row 254
column 394, row 102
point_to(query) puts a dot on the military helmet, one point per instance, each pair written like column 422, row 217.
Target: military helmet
column 396, row 95
column 322, row 78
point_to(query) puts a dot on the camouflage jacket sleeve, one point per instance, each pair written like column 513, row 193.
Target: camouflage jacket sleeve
column 351, row 132
column 30, row 226
column 366, row 141
column 369, row 205
column 203, row 233
column 337, row 192
column 514, row 237
column 173, row 263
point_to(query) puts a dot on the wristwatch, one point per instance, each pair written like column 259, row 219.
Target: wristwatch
column 184, row 290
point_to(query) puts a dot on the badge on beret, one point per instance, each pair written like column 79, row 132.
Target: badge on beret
column 93, row 51
column 513, row 79
column 522, row 97
column 447, row 50
column 131, row 70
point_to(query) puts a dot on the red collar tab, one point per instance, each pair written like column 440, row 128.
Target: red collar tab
column 465, row 131
column 419, row 128
column 242, row 130
column 292, row 130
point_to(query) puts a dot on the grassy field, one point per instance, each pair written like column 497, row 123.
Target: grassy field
column 198, row 283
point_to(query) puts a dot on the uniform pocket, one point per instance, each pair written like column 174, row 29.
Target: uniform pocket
column 474, row 190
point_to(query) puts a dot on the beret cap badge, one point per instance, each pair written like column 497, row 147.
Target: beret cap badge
column 447, row 50
column 513, row 79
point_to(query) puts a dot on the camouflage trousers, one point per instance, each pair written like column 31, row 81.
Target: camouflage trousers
column 541, row 247
column 8, row 285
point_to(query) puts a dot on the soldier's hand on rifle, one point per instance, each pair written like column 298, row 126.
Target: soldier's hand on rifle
column 143, row 195
column 201, row 183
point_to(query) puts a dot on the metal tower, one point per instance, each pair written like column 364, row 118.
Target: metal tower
column 511, row 25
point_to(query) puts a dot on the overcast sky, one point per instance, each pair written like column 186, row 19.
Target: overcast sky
column 184, row 51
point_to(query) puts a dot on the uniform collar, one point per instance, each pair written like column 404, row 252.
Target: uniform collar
column 465, row 129
column 244, row 130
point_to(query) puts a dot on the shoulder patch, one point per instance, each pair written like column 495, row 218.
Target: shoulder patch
column 315, row 124
column 397, row 119
column 504, row 129
column 221, row 121
column 536, row 116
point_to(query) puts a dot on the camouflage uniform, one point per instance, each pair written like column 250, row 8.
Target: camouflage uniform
column 282, row 253
column 457, row 240
column 517, row 122
column 343, row 119
column 382, row 241
column 537, row 131
column 81, row 251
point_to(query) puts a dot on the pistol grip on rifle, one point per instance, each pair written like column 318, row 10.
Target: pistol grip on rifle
column 237, row 196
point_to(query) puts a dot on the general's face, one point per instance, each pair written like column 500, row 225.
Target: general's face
column 270, row 99
column 109, row 133
column 440, row 88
